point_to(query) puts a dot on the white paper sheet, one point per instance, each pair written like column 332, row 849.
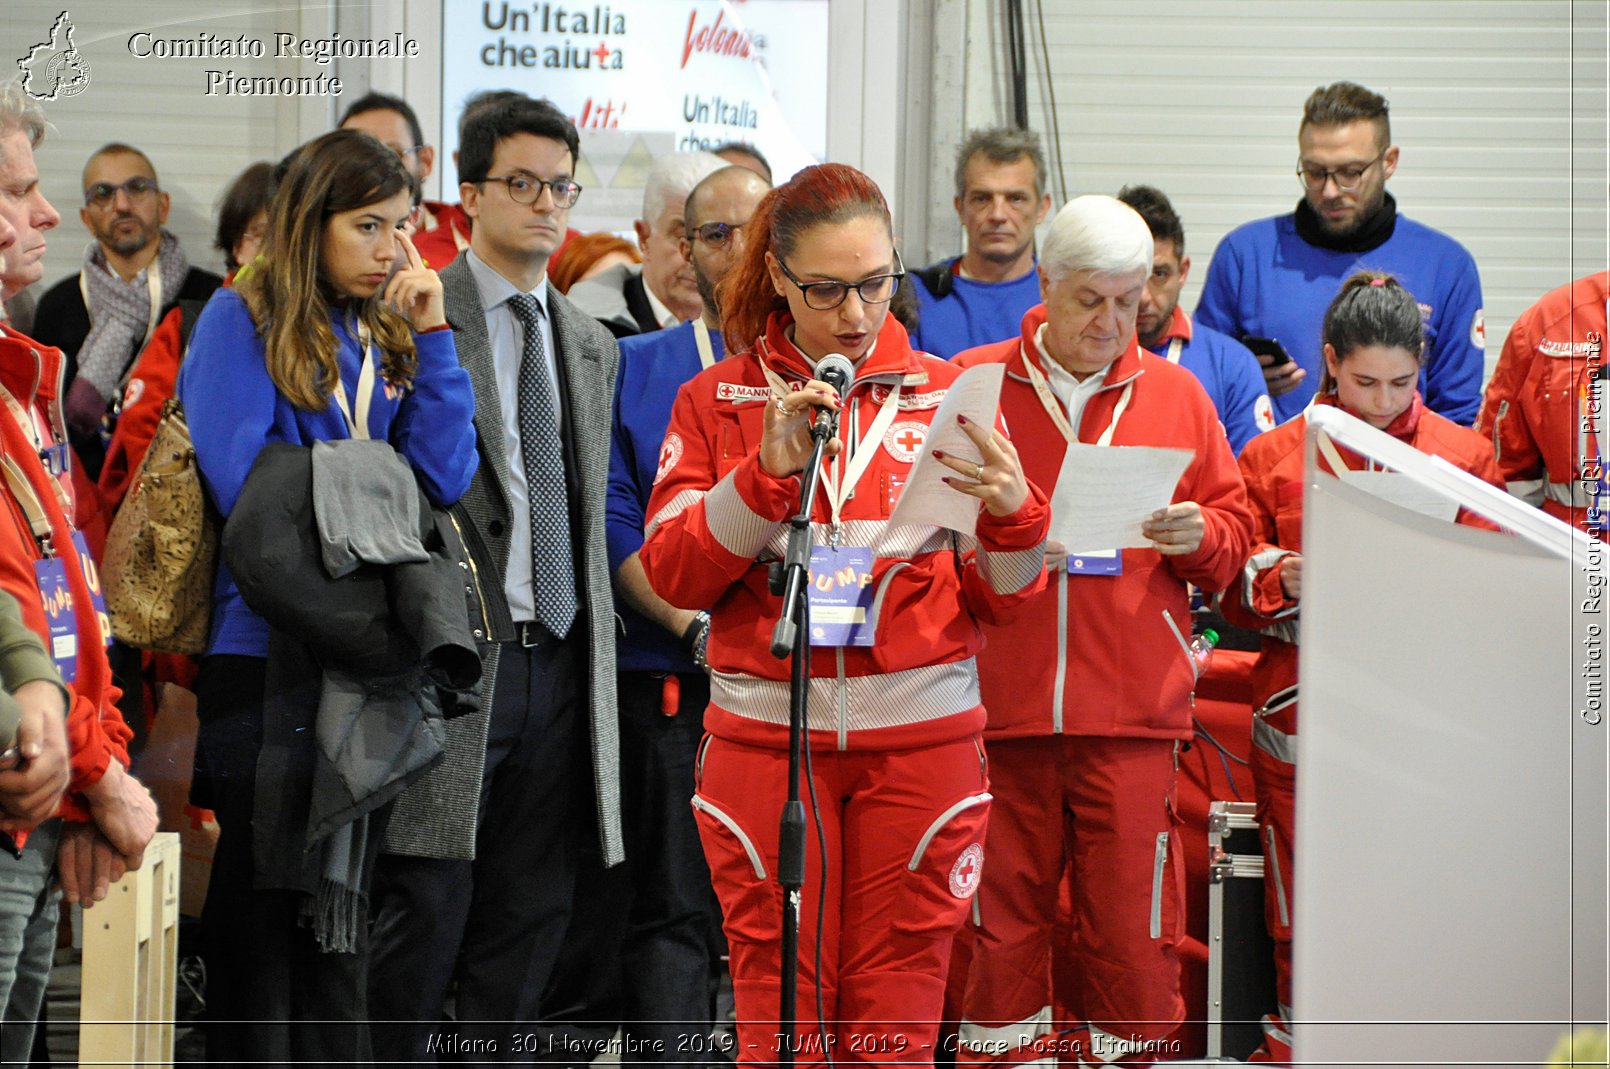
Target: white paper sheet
column 1404, row 492
column 926, row 500
column 1104, row 494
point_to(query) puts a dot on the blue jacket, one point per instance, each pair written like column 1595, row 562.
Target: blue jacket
column 1265, row 280
column 233, row 410
column 1228, row 372
column 653, row 368
column 970, row 313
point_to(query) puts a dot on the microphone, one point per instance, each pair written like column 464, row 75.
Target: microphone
column 837, row 372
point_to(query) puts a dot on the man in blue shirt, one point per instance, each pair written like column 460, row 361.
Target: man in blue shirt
column 1226, row 369
column 1275, row 277
column 981, row 296
column 668, row 926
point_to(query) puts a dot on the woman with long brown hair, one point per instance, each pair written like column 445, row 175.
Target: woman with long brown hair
column 321, row 340
column 899, row 794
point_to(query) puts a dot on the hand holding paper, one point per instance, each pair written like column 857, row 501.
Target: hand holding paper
column 1107, row 495
column 925, row 499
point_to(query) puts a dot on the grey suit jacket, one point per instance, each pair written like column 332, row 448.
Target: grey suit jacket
column 436, row 817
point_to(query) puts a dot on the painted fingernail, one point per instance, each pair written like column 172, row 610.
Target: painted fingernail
column 961, row 419
column 938, row 455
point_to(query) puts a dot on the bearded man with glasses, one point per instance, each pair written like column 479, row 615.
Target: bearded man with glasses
column 134, row 273
column 1274, row 278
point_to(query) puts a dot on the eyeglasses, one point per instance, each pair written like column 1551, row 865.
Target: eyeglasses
column 715, row 235
column 878, row 289
column 527, row 189
column 103, row 193
column 1314, row 177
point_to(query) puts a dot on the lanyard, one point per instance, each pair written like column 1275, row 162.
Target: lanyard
column 23, row 489
column 153, row 283
column 359, row 428
column 1174, row 350
column 1053, row 407
column 701, row 338
column 840, row 482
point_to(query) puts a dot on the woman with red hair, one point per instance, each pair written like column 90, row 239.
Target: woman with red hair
column 898, row 792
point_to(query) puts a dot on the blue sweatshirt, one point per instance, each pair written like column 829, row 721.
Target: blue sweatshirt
column 233, row 410
column 1265, row 280
column 1228, row 372
column 972, row 313
column 653, row 368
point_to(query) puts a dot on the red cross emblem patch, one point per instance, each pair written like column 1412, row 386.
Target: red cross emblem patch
column 670, row 453
column 967, row 871
column 904, row 439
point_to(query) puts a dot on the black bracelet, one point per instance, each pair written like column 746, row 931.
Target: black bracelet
column 697, row 636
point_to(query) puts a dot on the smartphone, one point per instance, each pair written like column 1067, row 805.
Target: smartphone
column 1269, row 351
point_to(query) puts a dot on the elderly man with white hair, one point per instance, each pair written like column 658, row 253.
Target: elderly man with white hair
column 661, row 292
column 1089, row 686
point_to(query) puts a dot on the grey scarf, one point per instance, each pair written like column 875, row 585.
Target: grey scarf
column 120, row 312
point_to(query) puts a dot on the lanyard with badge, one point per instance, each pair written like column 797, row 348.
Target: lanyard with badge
column 840, row 590
column 50, row 569
column 707, row 352
column 1084, row 562
column 359, row 426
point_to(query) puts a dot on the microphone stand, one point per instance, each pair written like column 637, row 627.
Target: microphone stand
column 791, row 636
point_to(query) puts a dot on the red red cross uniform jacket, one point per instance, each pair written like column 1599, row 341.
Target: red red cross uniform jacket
column 897, row 766
column 1539, row 410
column 96, row 733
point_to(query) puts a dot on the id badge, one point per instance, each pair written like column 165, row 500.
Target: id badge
column 1096, row 562
column 840, row 596
column 92, row 579
column 61, row 623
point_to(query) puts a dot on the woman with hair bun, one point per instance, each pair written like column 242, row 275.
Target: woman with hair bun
column 896, row 772
column 1374, row 347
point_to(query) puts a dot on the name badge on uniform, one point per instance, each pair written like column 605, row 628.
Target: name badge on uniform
column 1096, row 562
column 61, row 623
column 92, row 579
column 840, row 596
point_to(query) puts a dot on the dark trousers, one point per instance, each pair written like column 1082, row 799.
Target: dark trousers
column 650, row 973
column 273, row 997
column 493, row 925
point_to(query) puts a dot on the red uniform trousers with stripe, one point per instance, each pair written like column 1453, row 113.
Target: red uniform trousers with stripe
column 1103, row 806
column 902, row 831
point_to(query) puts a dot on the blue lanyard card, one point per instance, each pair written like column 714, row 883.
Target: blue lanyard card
column 92, row 579
column 1096, row 562
column 840, row 596
column 60, row 620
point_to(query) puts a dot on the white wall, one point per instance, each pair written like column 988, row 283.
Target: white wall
column 1499, row 107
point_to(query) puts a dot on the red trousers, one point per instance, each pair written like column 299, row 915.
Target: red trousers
column 1103, row 806
column 904, row 834
column 1277, row 809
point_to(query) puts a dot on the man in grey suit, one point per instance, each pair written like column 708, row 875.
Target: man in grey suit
column 473, row 894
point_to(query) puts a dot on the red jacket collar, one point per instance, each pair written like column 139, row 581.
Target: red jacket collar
column 1126, row 367
column 31, row 372
column 892, row 356
column 1179, row 326
column 1403, row 428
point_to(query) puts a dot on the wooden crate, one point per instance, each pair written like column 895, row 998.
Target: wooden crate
column 131, row 944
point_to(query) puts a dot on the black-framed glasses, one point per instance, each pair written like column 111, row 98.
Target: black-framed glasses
column 527, row 189
column 103, row 193
column 1313, row 177
column 879, row 289
column 715, row 235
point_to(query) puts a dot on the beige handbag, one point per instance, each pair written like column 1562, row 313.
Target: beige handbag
column 162, row 550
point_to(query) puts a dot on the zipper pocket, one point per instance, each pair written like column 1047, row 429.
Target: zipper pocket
column 720, row 817
column 1280, row 885
column 971, row 802
column 1179, row 637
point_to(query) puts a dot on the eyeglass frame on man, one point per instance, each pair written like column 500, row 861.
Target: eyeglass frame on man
column 1335, row 174
column 806, row 287
column 102, row 194
column 552, row 186
column 707, row 232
